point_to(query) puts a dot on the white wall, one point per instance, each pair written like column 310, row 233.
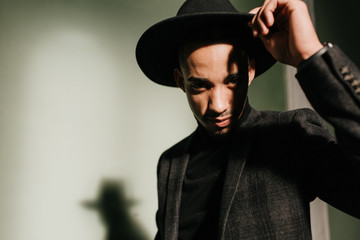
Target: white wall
column 75, row 110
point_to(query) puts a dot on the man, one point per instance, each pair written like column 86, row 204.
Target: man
column 245, row 174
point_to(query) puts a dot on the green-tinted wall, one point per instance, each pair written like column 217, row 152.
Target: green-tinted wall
column 338, row 22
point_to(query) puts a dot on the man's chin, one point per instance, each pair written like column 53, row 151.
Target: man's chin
column 215, row 131
column 220, row 133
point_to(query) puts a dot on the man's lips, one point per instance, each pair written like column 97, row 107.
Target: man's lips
column 223, row 121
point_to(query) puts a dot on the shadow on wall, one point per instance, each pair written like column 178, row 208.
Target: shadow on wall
column 114, row 209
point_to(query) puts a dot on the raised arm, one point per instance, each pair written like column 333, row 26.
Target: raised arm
column 331, row 82
column 286, row 30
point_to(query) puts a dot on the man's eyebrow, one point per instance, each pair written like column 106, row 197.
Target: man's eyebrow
column 205, row 80
column 195, row 79
column 233, row 75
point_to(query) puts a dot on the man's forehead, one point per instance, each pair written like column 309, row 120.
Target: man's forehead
column 231, row 50
column 214, row 60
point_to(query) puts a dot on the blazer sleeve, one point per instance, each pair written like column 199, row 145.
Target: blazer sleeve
column 331, row 83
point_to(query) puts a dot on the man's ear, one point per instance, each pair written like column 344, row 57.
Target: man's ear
column 179, row 79
column 251, row 70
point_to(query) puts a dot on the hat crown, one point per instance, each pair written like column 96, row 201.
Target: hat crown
column 206, row 6
column 157, row 49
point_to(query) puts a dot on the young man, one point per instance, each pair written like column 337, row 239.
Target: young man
column 245, row 174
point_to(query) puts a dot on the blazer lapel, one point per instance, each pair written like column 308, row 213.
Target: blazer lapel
column 174, row 189
column 236, row 162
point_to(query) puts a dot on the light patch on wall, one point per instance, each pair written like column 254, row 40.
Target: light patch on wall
column 68, row 122
column 75, row 110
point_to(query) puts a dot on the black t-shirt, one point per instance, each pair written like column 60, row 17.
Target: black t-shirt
column 203, row 184
column 202, row 187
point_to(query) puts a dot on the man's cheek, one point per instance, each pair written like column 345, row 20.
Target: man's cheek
column 197, row 106
column 197, row 111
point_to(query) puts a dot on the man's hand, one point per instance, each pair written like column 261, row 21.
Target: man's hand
column 286, row 30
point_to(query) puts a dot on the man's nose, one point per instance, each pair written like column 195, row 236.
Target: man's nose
column 218, row 101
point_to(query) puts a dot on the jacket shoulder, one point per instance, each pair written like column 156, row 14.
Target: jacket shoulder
column 297, row 116
column 304, row 117
column 178, row 148
column 175, row 151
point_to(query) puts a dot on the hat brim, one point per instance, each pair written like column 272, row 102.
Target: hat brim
column 157, row 49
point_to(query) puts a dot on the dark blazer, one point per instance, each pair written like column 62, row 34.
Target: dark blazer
column 279, row 162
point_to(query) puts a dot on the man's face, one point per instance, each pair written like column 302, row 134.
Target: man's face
column 215, row 79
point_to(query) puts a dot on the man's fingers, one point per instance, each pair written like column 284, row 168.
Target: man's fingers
column 252, row 24
column 257, row 24
column 261, row 24
column 269, row 11
column 268, row 16
column 254, row 10
column 263, row 17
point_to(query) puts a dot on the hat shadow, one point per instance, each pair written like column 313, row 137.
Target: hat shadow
column 114, row 210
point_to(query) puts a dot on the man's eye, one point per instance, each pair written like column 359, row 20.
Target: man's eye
column 197, row 85
column 233, row 79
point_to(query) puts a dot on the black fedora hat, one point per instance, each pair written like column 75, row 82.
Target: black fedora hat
column 157, row 49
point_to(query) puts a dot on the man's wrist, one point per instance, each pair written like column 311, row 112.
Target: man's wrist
column 311, row 50
column 320, row 52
